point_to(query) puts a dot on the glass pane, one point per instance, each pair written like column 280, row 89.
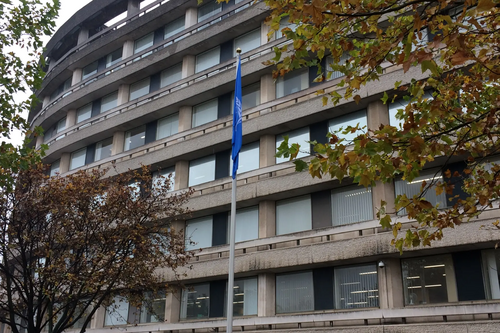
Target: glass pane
column 294, row 292
column 300, row 136
column 284, row 23
column 413, row 188
column 195, row 302
column 209, row 9
column 61, row 125
column 428, row 280
column 491, row 268
column 117, row 313
column 292, row 82
column 401, row 104
column 248, row 41
column 249, row 158
column 54, row 168
column 335, row 74
column 247, row 224
column 356, row 287
column 108, row 102
column 78, row 158
column 207, row 59
column 143, row 43
column 174, row 27
column 84, row 113
column 293, row 215
column 103, row 149
column 171, row 75
column 113, row 58
column 139, row 89
column 199, row 232
column 157, row 313
column 351, row 119
column 250, row 97
column 352, row 204
column 89, row 70
column 205, row 113
column 135, row 138
column 157, row 181
column 245, row 297
column 167, row 126
column 202, row 170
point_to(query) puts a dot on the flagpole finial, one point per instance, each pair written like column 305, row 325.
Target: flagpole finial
column 238, row 50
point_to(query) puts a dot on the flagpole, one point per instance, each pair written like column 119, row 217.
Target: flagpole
column 236, row 146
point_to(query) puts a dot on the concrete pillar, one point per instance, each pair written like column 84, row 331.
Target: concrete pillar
column 267, row 218
column 173, row 306
column 46, row 101
column 377, row 113
column 188, row 65
column 118, row 142
column 64, row 163
column 128, row 49
column 267, row 88
column 267, row 150
column 70, row 118
column 123, row 94
column 98, row 319
column 77, row 76
column 264, row 30
column 83, row 35
column 390, row 288
column 39, row 141
column 181, row 175
column 185, row 118
column 386, row 193
column 266, row 298
column 133, row 7
column 191, row 17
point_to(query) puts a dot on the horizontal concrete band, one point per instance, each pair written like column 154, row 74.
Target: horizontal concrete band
column 382, row 314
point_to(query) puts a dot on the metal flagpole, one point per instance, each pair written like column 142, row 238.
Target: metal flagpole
column 236, row 143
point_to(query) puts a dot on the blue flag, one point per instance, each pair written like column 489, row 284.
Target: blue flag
column 237, row 130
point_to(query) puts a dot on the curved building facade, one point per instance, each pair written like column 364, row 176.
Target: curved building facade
column 132, row 82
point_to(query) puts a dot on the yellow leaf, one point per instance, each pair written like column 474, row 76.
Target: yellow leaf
column 484, row 5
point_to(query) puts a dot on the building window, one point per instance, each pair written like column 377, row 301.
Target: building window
column 195, row 301
column 109, row 102
column 202, row 170
column 292, row 82
column 205, row 112
column 144, row 43
column 285, row 23
column 54, row 168
column 491, row 267
column 89, row 70
column 293, row 215
column 61, row 88
column 117, row 313
column 78, row 158
column 356, row 287
column 135, row 137
column 413, row 188
column 248, row 158
column 294, row 292
column 139, row 89
column 167, row 126
column 157, row 307
column 248, row 41
column 250, row 97
column 103, row 149
column 84, row 113
column 174, row 27
column 61, row 125
column 160, row 177
column 247, row 224
column 349, row 120
column 300, row 136
column 330, row 73
column 401, row 104
column 245, row 297
column 199, row 233
column 351, row 204
column 209, row 9
column 207, row 59
column 113, row 58
column 171, row 75
column 429, row 280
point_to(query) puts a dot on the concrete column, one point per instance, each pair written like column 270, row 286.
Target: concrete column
column 173, row 306
column 118, row 142
column 77, row 76
column 123, row 94
column 46, row 101
column 267, row 88
column 39, row 141
column 191, row 17
column 181, row 175
column 128, row 49
column 267, row 218
column 70, row 118
column 188, row 65
column 264, row 30
column 83, row 35
column 185, row 118
column 386, row 193
column 267, row 150
column 64, row 163
column 377, row 113
column 266, row 295
column 133, row 7
column 98, row 319
column 390, row 288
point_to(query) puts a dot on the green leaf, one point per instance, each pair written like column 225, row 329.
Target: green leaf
column 430, row 65
column 300, row 165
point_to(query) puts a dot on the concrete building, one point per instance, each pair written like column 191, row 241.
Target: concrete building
column 151, row 82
